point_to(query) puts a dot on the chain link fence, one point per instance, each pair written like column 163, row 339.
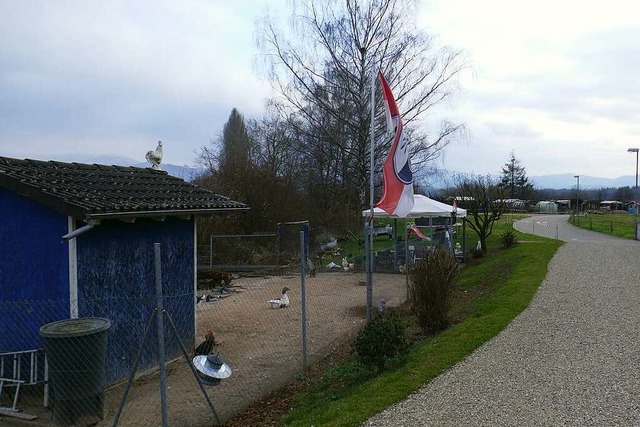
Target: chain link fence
column 265, row 343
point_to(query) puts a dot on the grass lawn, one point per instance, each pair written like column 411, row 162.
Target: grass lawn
column 500, row 284
column 620, row 225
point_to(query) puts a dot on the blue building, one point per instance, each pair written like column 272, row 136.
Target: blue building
column 77, row 240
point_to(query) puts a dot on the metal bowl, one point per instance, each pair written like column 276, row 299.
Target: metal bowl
column 211, row 368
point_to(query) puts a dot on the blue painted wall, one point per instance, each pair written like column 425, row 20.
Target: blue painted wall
column 116, row 280
column 34, row 271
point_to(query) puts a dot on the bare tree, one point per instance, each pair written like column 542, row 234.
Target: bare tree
column 322, row 73
column 484, row 200
column 252, row 162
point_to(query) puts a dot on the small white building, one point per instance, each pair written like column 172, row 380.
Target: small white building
column 546, row 206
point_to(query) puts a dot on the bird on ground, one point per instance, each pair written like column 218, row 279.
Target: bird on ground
column 155, row 156
column 206, row 347
column 332, row 265
column 345, row 265
column 284, row 298
column 311, row 268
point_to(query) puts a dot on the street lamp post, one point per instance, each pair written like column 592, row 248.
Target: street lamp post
column 635, row 196
column 577, row 195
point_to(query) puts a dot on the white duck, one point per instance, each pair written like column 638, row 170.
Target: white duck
column 283, row 300
column 155, row 157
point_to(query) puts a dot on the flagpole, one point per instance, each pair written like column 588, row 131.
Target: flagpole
column 371, row 166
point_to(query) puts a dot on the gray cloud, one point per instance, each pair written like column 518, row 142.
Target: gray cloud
column 97, row 76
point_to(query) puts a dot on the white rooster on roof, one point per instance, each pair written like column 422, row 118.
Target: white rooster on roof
column 155, row 156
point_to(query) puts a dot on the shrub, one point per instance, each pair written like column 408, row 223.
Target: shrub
column 508, row 239
column 381, row 340
column 323, row 238
column 475, row 253
column 432, row 284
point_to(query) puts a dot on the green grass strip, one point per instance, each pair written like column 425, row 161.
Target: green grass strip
column 348, row 396
column 619, row 225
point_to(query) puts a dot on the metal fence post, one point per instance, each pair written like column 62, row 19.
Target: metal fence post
column 211, row 251
column 278, row 232
column 464, row 239
column 303, row 295
column 368, row 265
column 160, row 323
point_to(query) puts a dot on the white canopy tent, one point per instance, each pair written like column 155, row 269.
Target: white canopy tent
column 423, row 207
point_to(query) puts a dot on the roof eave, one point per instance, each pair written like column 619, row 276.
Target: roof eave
column 168, row 212
column 37, row 195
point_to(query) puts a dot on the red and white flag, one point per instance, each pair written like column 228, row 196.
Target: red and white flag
column 397, row 185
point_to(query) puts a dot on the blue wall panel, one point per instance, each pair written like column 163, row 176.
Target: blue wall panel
column 34, row 271
column 116, row 280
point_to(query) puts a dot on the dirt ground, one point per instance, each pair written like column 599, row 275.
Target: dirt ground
column 262, row 345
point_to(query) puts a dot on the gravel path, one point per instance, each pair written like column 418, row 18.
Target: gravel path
column 557, row 227
column 571, row 359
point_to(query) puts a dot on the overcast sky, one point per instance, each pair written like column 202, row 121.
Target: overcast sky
column 556, row 81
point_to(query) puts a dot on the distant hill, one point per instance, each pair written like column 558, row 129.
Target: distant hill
column 556, row 182
column 587, row 182
column 187, row 173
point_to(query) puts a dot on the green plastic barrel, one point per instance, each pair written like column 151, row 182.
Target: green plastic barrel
column 76, row 352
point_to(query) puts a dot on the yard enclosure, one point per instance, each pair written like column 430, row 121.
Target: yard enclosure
column 263, row 346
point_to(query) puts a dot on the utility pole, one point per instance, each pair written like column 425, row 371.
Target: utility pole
column 635, row 196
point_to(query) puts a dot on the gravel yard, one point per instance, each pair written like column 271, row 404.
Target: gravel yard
column 263, row 346
column 572, row 358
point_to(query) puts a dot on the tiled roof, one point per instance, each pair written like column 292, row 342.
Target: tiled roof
column 100, row 191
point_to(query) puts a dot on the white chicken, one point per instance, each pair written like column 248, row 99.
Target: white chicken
column 155, row 156
column 345, row 265
column 283, row 301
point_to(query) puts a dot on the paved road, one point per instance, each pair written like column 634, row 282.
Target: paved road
column 571, row 359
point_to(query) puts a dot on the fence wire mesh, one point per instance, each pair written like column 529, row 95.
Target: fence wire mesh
column 228, row 313
column 235, row 309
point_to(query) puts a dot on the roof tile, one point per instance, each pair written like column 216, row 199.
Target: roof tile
column 95, row 190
